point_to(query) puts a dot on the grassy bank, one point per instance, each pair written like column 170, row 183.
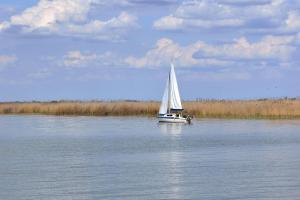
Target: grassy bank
column 256, row 109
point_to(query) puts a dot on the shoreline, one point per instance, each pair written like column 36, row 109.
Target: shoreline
column 154, row 117
column 215, row 109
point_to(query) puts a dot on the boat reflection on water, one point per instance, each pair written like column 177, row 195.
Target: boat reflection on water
column 171, row 128
column 172, row 160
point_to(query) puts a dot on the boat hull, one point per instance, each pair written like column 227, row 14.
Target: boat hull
column 163, row 119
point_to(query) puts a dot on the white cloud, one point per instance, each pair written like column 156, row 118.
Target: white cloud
column 136, row 2
column 176, row 23
column 69, row 17
column 267, row 14
column 47, row 14
column 203, row 54
column 104, row 30
column 166, row 51
column 245, row 2
column 7, row 59
column 270, row 47
column 205, row 14
column 169, row 23
column 113, row 2
column 293, row 21
column 4, row 26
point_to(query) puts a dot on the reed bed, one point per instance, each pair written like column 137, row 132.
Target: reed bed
column 251, row 109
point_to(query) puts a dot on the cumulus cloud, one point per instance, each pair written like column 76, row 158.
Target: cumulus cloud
column 47, row 14
column 69, row 17
column 245, row 2
column 270, row 47
column 293, row 21
column 272, row 14
column 113, row 28
column 166, row 50
column 176, row 23
column 153, row 2
column 136, row 2
column 4, row 26
column 201, row 53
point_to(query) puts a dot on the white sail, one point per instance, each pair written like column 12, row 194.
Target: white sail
column 170, row 108
column 174, row 96
column 171, row 97
column 165, row 100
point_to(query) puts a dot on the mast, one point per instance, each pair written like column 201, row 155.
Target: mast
column 174, row 96
column 169, row 93
column 171, row 98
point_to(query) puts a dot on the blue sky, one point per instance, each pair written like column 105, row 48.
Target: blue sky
column 121, row 49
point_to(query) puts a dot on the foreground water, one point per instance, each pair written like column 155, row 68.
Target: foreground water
column 45, row 157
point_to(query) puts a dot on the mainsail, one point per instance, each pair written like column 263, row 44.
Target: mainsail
column 165, row 100
column 171, row 98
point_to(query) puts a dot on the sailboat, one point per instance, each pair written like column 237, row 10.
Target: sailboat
column 171, row 109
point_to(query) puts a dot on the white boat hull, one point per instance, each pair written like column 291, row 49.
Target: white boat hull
column 170, row 110
column 172, row 119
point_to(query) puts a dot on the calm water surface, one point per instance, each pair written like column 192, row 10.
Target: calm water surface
column 45, row 157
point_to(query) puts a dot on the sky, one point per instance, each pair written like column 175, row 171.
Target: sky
column 122, row 49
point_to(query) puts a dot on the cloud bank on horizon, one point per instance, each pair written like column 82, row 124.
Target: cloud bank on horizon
column 221, row 40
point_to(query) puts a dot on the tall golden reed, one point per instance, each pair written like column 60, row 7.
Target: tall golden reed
column 271, row 109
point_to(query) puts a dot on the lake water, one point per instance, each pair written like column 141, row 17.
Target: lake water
column 62, row 158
